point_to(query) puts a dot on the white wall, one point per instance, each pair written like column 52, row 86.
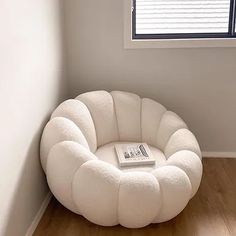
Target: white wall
column 31, row 85
column 198, row 84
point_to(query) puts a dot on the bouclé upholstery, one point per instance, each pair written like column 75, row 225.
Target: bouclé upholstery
column 79, row 159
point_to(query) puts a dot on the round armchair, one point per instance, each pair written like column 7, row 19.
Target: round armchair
column 78, row 157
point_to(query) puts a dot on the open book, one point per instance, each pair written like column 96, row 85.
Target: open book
column 134, row 154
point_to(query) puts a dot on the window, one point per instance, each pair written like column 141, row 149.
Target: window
column 182, row 19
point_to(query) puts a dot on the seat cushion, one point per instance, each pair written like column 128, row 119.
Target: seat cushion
column 108, row 154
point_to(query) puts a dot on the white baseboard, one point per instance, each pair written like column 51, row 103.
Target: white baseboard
column 219, row 154
column 39, row 215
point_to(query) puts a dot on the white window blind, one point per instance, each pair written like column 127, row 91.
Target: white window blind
column 182, row 16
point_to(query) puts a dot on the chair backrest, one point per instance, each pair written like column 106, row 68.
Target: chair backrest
column 105, row 117
column 96, row 118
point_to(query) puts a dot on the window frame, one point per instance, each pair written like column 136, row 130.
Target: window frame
column 230, row 34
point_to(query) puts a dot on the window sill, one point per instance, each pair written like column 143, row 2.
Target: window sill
column 180, row 43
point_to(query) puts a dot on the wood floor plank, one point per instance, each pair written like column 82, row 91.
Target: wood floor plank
column 212, row 212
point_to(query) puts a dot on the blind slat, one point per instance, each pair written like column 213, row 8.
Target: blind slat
column 182, row 16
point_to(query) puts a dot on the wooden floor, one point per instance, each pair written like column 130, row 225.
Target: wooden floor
column 212, row 212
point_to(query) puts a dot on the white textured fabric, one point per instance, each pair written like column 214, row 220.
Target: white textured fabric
column 128, row 111
column 190, row 163
column 57, row 130
column 152, row 113
column 79, row 159
column 139, row 199
column 182, row 139
column 96, row 192
column 77, row 112
column 63, row 161
column 101, row 107
column 175, row 191
column 170, row 123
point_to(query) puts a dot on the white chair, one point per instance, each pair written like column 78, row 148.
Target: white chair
column 78, row 157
